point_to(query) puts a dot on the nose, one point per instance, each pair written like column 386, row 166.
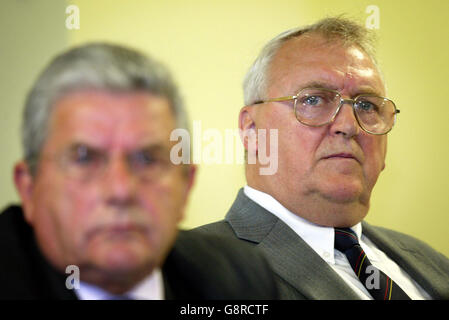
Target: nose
column 345, row 122
column 119, row 183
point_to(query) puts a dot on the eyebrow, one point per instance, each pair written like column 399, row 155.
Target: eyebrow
column 317, row 84
column 151, row 147
column 367, row 91
column 364, row 90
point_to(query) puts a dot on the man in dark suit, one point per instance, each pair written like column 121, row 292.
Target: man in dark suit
column 320, row 91
column 102, row 198
column 198, row 267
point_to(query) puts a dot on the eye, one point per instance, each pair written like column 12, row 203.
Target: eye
column 312, row 100
column 367, row 106
column 83, row 155
column 142, row 158
column 313, row 97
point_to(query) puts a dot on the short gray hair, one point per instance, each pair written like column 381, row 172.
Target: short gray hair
column 95, row 66
column 335, row 28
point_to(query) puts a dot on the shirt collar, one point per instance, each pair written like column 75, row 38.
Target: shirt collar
column 319, row 238
column 150, row 288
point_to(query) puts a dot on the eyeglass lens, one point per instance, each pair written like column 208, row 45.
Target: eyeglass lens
column 316, row 107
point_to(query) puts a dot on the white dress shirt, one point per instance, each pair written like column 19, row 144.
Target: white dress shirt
column 321, row 240
column 150, row 288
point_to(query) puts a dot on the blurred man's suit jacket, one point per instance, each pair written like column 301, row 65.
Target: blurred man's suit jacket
column 198, row 267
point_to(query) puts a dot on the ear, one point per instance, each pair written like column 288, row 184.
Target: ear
column 24, row 184
column 247, row 127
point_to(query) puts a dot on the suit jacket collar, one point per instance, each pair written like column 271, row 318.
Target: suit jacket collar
column 291, row 258
column 410, row 259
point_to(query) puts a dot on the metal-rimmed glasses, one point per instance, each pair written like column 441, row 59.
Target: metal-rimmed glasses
column 317, row 107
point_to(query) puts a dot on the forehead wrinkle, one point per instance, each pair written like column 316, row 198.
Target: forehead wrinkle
column 363, row 81
column 102, row 124
column 349, row 62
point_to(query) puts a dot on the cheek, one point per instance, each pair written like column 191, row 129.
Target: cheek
column 374, row 150
column 60, row 217
column 164, row 201
column 296, row 143
column 81, row 202
column 76, row 210
column 298, row 147
column 162, row 205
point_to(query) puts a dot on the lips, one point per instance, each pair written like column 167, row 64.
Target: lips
column 342, row 156
column 124, row 228
column 117, row 229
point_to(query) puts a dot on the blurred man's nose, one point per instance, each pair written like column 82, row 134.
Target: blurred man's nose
column 119, row 182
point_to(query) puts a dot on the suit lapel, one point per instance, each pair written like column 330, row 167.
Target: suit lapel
column 411, row 261
column 290, row 257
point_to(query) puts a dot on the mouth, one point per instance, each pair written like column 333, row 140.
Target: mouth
column 124, row 228
column 117, row 230
column 342, row 156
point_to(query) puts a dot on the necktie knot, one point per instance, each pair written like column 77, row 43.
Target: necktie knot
column 345, row 239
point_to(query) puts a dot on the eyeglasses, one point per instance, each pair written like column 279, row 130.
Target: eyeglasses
column 85, row 163
column 317, row 107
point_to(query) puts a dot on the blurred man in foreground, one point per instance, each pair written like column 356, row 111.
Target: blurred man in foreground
column 101, row 198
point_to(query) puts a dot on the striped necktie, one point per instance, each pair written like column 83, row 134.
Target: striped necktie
column 378, row 284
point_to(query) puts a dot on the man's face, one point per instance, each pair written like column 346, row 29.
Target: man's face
column 122, row 216
column 331, row 191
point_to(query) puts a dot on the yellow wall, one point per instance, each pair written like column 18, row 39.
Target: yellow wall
column 209, row 45
column 30, row 33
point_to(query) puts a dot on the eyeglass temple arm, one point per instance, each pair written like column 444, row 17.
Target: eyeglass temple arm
column 276, row 99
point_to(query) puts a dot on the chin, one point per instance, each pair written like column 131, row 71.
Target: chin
column 343, row 195
column 343, row 190
column 345, row 221
column 123, row 260
column 120, row 258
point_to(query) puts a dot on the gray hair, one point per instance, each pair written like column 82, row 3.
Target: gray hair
column 347, row 31
column 99, row 66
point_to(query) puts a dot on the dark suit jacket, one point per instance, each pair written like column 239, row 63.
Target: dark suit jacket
column 303, row 274
column 198, row 267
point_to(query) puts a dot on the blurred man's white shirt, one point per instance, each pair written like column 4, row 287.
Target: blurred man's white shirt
column 150, row 288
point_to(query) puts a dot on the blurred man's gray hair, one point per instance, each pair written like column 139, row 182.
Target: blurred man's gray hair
column 344, row 30
column 98, row 66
